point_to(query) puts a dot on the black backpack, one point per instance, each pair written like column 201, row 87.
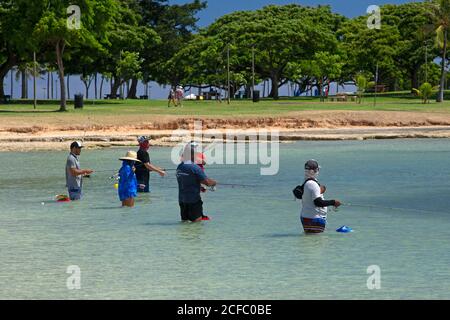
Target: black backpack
column 298, row 190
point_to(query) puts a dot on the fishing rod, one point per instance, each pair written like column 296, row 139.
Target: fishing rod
column 237, row 185
column 208, row 168
column 115, row 170
column 102, row 171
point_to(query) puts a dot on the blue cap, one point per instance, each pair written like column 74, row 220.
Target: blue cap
column 344, row 229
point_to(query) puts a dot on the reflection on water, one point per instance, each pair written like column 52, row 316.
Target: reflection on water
column 253, row 247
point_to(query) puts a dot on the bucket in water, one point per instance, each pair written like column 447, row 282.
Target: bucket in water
column 62, row 198
column 344, row 229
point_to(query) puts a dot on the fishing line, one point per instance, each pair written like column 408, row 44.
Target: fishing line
column 285, row 200
column 171, row 169
column 209, row 168
column 385, row 208
column 233, row 185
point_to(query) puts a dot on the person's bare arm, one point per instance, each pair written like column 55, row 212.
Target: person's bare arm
column 152, row 167
column 209, row 182
column 80, row 172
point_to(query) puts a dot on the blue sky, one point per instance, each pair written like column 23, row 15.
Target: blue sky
column 217, row 8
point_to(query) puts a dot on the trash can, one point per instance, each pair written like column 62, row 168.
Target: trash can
column 78, row 102
column 256, row 96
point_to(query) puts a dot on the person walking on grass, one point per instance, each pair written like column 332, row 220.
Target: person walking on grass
column 144, row 167
column 179, row 95
column 74, row 173
column 127, row 179
column 190, row 178
column 171, row 98
column 314, row 207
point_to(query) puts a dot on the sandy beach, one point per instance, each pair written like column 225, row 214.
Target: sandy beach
column 55, row 130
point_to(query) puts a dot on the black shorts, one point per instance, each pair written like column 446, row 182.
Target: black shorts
column 143, row 178
column 191, row 211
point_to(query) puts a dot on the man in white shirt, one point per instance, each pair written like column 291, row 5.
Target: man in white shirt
column 314, row 207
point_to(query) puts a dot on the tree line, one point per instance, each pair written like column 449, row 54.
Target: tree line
column 150, row 40
column 123, row 40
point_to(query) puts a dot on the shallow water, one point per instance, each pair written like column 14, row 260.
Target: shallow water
column 253, row 248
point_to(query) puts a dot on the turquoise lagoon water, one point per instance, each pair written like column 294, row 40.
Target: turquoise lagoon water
column 253, row 248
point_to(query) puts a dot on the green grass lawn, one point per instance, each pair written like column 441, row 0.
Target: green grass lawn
column 213, row 108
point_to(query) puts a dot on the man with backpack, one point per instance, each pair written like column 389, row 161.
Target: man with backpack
column 314, row 207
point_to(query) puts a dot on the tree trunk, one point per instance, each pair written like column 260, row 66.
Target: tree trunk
column 68, row 86
column 4, row 69
column 133, row 89
column 59, row 55
column 12, row 83
column 320, row 85
column 51, row 84
column 275, row 92
column 264, row 89
column 101, row 87
column 440, row 97
column 114, row 87
column 122, row 91
column 86, row 89
column 23, row 75
column 95, row 85
column 248, row 91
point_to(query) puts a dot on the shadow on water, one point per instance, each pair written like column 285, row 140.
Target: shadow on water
column 191, row 231
column 107, row 208
column 283, row 235
column 163, row 224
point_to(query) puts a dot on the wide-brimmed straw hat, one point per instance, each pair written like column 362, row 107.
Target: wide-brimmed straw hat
column 131, row 155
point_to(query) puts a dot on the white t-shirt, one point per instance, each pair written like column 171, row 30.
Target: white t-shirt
column 311, row 192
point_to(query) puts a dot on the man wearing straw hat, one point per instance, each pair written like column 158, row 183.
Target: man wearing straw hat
column 127, row 179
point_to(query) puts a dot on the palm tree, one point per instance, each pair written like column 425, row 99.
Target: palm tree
column 441, row 16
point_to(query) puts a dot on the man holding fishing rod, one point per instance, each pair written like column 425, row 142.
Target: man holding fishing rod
column 144, row 167
column 74, row 174
column 314, row 207
column 190, row 177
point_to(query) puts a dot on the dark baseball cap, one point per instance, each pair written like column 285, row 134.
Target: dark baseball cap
column 312, row 165
column 76, row 144
column 142, row 139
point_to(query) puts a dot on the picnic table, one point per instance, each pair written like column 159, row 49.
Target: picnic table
column 209, row 95
column 108, row 96
column 379, row 88
column 343, row 97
